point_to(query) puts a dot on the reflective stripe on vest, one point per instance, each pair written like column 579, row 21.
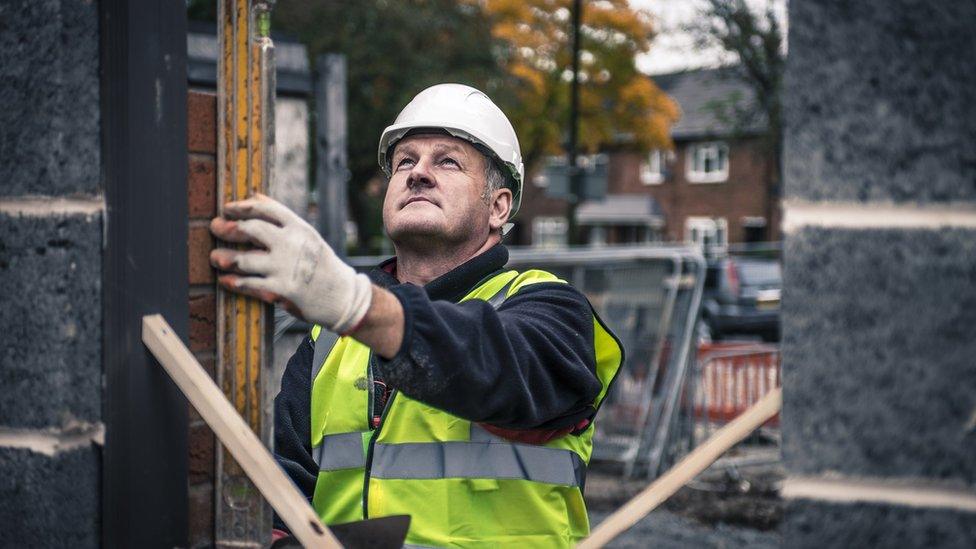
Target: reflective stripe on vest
column 345, row 450
column 436, row 460
column 323, row 344
column 342, row 451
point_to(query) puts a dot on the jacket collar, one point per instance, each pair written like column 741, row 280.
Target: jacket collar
column 454, row 284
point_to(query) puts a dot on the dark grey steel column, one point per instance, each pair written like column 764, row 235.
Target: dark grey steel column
column 144, row 169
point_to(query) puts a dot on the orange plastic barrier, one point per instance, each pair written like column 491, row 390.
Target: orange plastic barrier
column 733, row 377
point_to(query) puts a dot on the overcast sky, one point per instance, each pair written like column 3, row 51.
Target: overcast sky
column 674, row 50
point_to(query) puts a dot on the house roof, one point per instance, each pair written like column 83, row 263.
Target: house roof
column 701, row 93
column 620, row 209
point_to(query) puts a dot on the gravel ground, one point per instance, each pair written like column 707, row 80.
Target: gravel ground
column 724, row 507
column 666, row 530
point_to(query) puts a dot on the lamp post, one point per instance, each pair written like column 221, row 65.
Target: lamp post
column 575, row 174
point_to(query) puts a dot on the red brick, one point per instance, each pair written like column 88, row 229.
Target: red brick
column 201, row 508
column 202, row 122
column 201, row 448
column 199, row 243
column 201, row 199
column 209, row 364
column 203, row 322
column 202, row 187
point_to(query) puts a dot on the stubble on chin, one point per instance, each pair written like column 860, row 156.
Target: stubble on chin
column 429, row 234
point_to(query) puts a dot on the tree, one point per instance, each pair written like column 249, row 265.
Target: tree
column 394, row 49
column 617, row 102
column 517, row 51
column 755, row 39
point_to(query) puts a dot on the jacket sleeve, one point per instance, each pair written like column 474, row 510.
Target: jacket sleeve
column 530, row 364
column 292, row 429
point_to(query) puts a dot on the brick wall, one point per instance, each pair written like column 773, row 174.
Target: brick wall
column 202, row 191
column 744, row 194
column 535, row 203
column 51, row 211
column 879, row 302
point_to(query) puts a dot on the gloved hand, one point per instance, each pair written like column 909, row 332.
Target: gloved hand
column 296, row 267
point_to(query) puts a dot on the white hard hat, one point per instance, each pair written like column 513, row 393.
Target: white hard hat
column 466, row 113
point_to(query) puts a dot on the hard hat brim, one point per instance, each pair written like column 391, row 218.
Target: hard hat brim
column 396, row 132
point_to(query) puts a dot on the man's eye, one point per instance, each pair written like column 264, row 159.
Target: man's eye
column 450, row 162
column 404, row 163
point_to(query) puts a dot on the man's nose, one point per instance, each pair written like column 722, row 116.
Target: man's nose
column 420, row 175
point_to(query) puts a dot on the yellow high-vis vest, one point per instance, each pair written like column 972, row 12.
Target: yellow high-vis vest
column 461, row 485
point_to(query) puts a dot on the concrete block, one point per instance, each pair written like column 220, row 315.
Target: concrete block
column 51, row 319
column 879, row 373
column 817, row 524
column 50, row 501
column 290, row 182
column 49, row 89
column 879, row 101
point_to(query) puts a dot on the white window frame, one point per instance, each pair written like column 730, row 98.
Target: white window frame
column 753, row 221
column 698, row 156
column 707, row 232
column 549, row 232
column 653, row 168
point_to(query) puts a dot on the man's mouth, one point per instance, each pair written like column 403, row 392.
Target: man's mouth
column 418, row 199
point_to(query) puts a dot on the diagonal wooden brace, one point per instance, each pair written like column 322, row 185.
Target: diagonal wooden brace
column 686, row 470
column 235, row 434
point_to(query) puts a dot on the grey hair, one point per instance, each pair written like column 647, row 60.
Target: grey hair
column 494, row 179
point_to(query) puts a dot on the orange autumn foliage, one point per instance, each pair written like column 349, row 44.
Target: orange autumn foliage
column 617, row 102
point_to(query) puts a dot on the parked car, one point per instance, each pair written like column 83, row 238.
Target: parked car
column 742, row 297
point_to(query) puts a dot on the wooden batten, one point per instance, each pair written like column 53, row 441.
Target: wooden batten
column 236, row 436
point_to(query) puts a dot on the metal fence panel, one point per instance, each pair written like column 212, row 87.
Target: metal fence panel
column 649, row 297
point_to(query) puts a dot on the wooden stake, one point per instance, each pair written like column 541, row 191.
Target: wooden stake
column 686, row 470
column 235, row 434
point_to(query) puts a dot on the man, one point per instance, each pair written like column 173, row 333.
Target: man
column 459, row 393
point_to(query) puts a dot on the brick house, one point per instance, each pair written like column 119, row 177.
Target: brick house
column 717, row 186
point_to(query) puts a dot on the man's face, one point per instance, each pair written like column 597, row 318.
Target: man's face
column 435, row 193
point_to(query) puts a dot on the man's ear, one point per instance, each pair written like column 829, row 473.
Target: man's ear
column 501, row 208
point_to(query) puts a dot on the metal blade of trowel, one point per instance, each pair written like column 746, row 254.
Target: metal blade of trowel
column 377, row 533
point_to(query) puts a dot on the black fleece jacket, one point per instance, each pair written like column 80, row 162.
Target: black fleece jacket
column 527, row 365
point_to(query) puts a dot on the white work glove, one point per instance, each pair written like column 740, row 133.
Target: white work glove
column 296, row 267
